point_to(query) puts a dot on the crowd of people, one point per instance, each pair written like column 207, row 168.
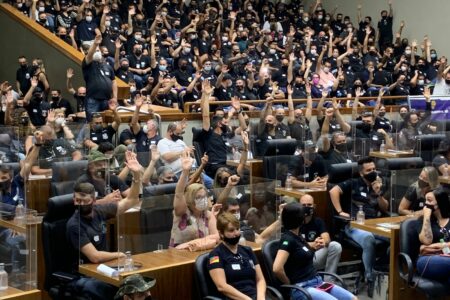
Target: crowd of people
column 173, row 52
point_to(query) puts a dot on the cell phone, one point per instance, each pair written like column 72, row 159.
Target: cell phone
column 325, row 286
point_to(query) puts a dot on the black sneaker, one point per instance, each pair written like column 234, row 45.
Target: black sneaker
column 370, row 288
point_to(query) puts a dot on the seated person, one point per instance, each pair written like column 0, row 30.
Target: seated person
column 98, row 131
column 88, row 238
column 192, row 219
column 308, row 170
column 332, row 120
column 233, row 268
column 298, row 122
column 442, row 160
column 367, row 191
column 327, row 253
column 135, row 287
column 413, row 201
column 294, row 262
column 407, row 136
column 57, row 119
column 107, row 191
column 53, row 149
column 336, row 150
column 434, row 227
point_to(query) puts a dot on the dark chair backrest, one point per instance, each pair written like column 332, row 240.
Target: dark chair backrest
column 341, row 172
column 58, row 253
column 276, row 167
column 65, row 174
column 429, row 144
column 402, row 163
column 156, row 225
column 198, row 145
column 160, row 195
column 204, row 283
column 409, row 238
column 269, row 252
column 280, row 147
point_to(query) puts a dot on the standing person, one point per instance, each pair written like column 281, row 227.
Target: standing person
column 385, row 34
column 23, row 76
column 233, row 268
column 59, row 102
column 327, row 253
column 101, row 86
column 294, row 262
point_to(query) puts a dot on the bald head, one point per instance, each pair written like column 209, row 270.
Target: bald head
column 307, row 200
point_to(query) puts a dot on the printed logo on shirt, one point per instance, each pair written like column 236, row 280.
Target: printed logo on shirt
column 285, row 243
column 214, row 260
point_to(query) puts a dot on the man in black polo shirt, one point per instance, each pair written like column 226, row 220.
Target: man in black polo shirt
column 35, row 104
column 335, row 151
column 369, row 192
column 97, row 131
column 86, row 27
column 23, row 76
column 101, row 85
column 213, row 134
column 59, row 102
column 139, row 65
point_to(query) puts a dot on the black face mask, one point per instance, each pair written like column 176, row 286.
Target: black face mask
column 224, row 129
column 231, row 241
column 269, row 126
column 403, row 115
column 429, row 206
column 124, row 68
column 23, row 67
column 4, row 185
column 55, row 98
column 365, row 127
column 422, row 184
column 447, row 81
column 341, row 147
column 371, row 177
column 183, row 67
column 101, row 173
column 24, row 120
column 85, row 210
column 341, row 82
column 138, row 52
column 279, row 118
column 381, row 114
column 175, row 137
column 163, row 36
column 309, row 210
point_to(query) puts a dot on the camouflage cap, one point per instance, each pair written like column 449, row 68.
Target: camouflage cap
column 135, row 283
column 96, row 155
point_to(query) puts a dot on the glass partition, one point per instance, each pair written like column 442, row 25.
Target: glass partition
column 18, row 245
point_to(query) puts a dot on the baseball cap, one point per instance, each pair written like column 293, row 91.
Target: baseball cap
column 135, row 283
column 96, row 155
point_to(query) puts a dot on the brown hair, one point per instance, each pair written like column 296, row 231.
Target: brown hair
column 224, row 219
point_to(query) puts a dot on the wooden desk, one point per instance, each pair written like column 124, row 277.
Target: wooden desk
column 37, row 193
column 397, row 287
column 15, row 294
column 391, row 154
column 173, row 270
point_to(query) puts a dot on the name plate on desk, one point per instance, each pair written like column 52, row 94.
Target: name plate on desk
column 38, row 177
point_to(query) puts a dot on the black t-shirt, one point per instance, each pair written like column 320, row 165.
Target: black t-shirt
column 142, row 62
column 239, row 268
column 124, row 75
column 361, row 194
column 38, row 110
column 312, row 230
column 23, row 76
column 55, row 150
column 383, row 123
column 102, row 189
column 214, row 145
column 299, row 265
column 298, row 169
column 98, row 77
column 385, row 29
column 82, row 231
column 63, row 103
column 333, row 125
column 415, row 198
column 438, row 233
column 104, row 135
column 300, row 131
column 334, row 157
column 86, row 30
column 143, row 144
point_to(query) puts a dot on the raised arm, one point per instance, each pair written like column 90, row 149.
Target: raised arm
column 320, row 104
column 118, row 45
column 344, row 125
column 240, row 168
column 69, row 87
column 179, row 202
column 309, row 102
column 291, row 116
column 133, row 195
column 150, row 170
column 207, row 91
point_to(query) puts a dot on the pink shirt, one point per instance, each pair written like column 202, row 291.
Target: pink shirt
column 326, row 80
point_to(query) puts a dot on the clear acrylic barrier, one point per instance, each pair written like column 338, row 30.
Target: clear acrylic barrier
column 18, row 245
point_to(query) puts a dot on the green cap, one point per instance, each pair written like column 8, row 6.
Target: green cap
column 96, row 155
column 135, row 283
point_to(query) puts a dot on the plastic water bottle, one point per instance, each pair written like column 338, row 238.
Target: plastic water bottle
column 360, row 216
column 288, row 184
column 20, row 212
column 382, row 147
column 445, row 248
column 129, row 264
column 3, row 277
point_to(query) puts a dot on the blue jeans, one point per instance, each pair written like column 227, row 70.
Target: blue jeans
column 434, row 267
column 367, row 241
column 13, row 241
column 336, row 291
column 93, row 106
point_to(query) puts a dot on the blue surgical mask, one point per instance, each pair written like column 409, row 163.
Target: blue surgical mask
column 162, row 68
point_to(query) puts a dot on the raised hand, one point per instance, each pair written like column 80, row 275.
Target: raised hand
column 207, row 88
column 324, row 93
column 186, row 161
column 358, row 92
column 204, row 160
column 216, row 209
column 224, row 69
column 51, row 116
column 381, row 92
column 132, row 162
column 236, row 103
column 98, row 39
column 308, row 88
column 427, row 93
column 69, row 73
column 245, row 138
column 112, row 105
column 153, row 39
column 233, row 180
column 139, row 101
column 118, row 43
column 233, row 15
column 155, row 154
column 289, row 90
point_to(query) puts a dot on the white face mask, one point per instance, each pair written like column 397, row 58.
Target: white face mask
column 306, row 19
column 187, row 50
column 207, row 68
column 250, row 7
column 107, row 23
column 238, row 216
column 201, row 203
column 89, row 18
column 272, row 51
column 407, row 52
column 164, row 13
column 138, row 36
column 225, row 38
column 60, row 121
column 132, row 89
column 145, row 128
column 19, row 5
column 313, row 51
column 41, row 9
column 421, row 82
column 97, row 56
column 403, row 68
